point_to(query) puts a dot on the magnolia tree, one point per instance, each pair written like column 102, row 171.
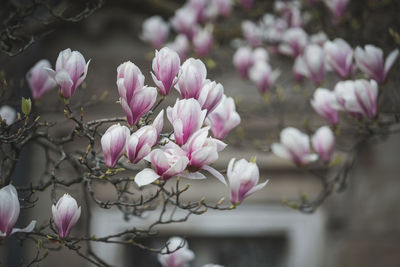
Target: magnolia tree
column 134, row 152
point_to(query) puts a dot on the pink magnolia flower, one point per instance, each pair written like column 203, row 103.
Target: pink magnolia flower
column 366, row 93
column 295, row 146
column 9, row 212
column 323, row 142
column 346, row 98
column 166, row 64
column 262, row 75
column 129, row 80
column 113, row 143
column 141, row 102
column 370, row 61
column 71, row 70
column 324, row 103
column 243, row 179
column 260, row 54
column 139, row 144
column 181, row 256
column 65, row 215
column 223, row 119
column 274, row 29
column 339, row 57
column 224, row 7
column 337, row 7
column 168, row 161
column 202, row 42
column 155, row 31
column 186, row 118
column 247, row 4
column 184, row 21
column 39, row 79
column 181, row 46
column 210, row 95
column 312, row 63
column 202, row 151
column 294, row 41
column 192, row 78
column 199, row 7
column 252, row 33
column 136, row 99
column 290, row 11
column 358, row 98
column 243, row 60
column 8, row 114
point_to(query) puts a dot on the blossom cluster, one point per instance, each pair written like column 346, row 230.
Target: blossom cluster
column 190, row 149
column 187, row 151
column 284, row 34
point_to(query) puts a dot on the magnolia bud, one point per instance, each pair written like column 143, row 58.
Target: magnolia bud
column 65, row 215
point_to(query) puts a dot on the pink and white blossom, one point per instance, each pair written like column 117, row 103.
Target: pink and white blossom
column 223, row 119
column 8, row 114
column 203, row 41
column 113, row 143
column 312, row 63
column 186, row 118
column 129, row 80
column 294, row 41
column 66, row 214
column 210, row 95
column 324, row 103
column 202, row 151
column 185, row 21
column 366, row 93
column 192, row 78
column 135, row 98
column 346, row 98
column 339, row 57
column 252, row 33
column 337, row 7
column 295, row 146
column 370, row 61
column 71, row 71
column 9, row 212
column 180, row 45
column 274, row 29
column 260, row 54
column 39, row 79
column 263, row 76
column 180, row 257
column 155, row 31
column 168, row 161
column 141, row 102
column 200, row 9
column 243, row 60
column 166, row 65
column 323, row 142
column 139, row 144
column 243, row 177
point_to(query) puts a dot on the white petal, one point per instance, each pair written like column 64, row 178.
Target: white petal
column 145, row 177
